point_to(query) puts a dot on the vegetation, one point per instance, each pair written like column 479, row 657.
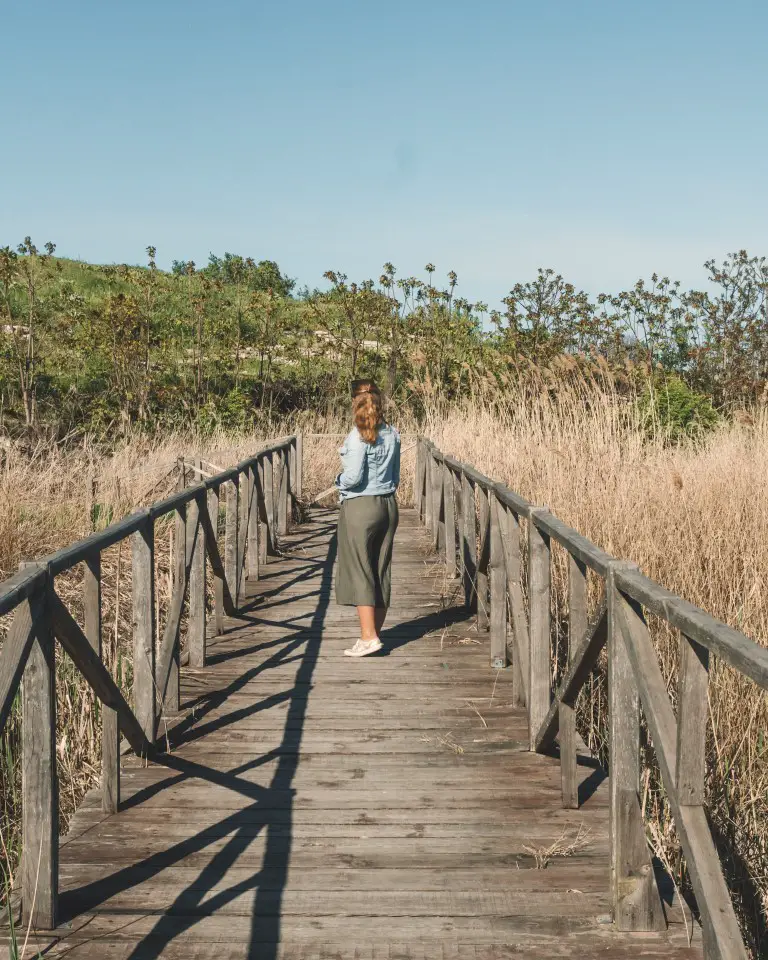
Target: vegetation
column 638, row 417
column 100, row 349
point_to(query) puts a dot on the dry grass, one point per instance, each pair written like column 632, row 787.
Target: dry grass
column 565, row 846
column 696, row 520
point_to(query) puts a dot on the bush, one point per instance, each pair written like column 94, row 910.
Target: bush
column 670, row 407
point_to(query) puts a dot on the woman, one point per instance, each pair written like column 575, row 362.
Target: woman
column 370, row 458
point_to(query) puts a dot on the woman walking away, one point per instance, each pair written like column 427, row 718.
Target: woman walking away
column 370, row 459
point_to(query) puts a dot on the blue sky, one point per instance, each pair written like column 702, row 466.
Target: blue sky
column 604, row 139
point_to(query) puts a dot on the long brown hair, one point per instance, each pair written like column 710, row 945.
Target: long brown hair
column 367, row 409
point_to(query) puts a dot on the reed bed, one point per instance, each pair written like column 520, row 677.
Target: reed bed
column 694, row 518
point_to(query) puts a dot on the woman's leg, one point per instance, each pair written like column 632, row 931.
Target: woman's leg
column 368, row 629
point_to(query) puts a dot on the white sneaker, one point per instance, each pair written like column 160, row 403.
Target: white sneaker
column 364, row 647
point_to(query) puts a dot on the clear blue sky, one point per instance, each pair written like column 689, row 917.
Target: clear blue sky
column 605, row 139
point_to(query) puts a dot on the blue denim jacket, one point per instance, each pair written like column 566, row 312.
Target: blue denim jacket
column 369, row 469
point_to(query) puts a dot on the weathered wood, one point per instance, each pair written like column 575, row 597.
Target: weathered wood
column 577, row 628
column 539, row 579
column 16, row 647
column 428, row 489
column 438, row 521
column 579, row 669
column 143, row 564
column 418, row 479
column 483, row 560
column 110, row 728
column 692, row 714
column 299, row 456
column 469, row 542
column 261, row 501
column 39, row 780
column 498, row 587
column 210, row 520
column 260, row 821
column 449, row 511
column 510, row 538
column 21, row 586
column 270, row 505
column 721, row 929
column 168, row 696
column 283, row 494
column 231, row 524
column 724, row 642
column 243, row 505
column 634, row 903
column 252, row 549
column 77, row 645
column 196, row 626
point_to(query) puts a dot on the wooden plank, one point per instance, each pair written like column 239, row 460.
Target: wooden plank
column 110, row 729
column 270, row 506
column 692, row 716
column 510, row 538
column 223, row 601
column 498, row 588
column 252, row 546
column 721, row 928
column 539, row 690
column 469, row 542
column 75, row 642
column 283, row 494
column 15, row 650
column 577, row 628
column 449, row 509
column 143, row 563
column 728, row 644
column 299, row 454
column 231, row 522
column 636, row 900
column 196, row 626
column 484, row 521
column 39, row 780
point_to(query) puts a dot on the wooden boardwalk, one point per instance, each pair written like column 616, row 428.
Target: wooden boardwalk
column 312, row 806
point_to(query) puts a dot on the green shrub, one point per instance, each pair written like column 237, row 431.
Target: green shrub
column 671, row 408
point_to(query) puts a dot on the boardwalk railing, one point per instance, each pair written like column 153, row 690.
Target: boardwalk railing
column 257, row 498
column 476, row 524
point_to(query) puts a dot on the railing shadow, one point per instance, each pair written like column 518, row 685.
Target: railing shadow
column 269, row 813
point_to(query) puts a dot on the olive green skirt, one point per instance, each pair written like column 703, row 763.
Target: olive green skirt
column 366, row 533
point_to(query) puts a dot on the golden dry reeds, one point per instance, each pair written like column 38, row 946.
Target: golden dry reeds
column 695, row 519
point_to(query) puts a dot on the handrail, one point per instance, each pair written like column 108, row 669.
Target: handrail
column 462, row 508
column 259, row 495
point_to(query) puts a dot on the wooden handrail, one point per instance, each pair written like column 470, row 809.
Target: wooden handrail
column 455, row 511
column 259, row 506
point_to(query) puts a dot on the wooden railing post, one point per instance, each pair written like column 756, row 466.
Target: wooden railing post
column 110, row 729
column 636, row 904
column 298, row 489
column 498, row 592
column 469, row 542
column 428, row 467
column 692, row 711
column 231, row 539
column 484, row 521
column 144, row 627
column 449, row 510
column 269, row 504
column 418, row 482
column 520, row 633
column 261, row 494
column 539, row 589
column 253, row 524
column 283, row 494
column 39, row 782
column 218, row 584
column 172, row 700
column 243, row 505
column 577, row 627
column 438, row 524
column 196, row 628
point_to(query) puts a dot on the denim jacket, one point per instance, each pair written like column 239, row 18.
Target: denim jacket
column 369, row 469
